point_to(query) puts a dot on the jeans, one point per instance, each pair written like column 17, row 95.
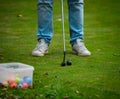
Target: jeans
column 45, row 18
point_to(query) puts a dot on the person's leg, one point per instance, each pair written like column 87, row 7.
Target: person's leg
column 76, row 18
column 45, row 26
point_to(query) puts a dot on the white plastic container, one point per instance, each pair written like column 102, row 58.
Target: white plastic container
column 16, row 75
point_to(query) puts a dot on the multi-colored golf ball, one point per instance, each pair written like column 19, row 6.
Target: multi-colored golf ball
column 18, row 82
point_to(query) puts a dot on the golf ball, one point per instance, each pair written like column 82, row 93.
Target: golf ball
column 69, row 63
column 19, row 86
column 25, row 85
column 17, row 80
column 11, row 80
column 13, row 85
column 28, row 80
column 5, row 84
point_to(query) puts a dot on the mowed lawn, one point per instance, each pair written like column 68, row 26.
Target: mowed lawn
column 94, row 77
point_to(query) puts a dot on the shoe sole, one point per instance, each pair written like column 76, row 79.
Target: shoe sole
column 85, row 55
column 39, row 55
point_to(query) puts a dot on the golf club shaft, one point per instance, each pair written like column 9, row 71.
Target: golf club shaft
column 63, row 30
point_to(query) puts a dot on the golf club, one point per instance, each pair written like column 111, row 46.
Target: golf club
column 64, row 63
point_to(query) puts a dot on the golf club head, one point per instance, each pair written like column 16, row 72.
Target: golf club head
column 63, row 64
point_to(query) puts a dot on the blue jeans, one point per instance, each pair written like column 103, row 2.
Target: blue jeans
column 45, row 25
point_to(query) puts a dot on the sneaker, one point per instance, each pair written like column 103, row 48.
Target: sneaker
column 80, row 49
column 41, row 48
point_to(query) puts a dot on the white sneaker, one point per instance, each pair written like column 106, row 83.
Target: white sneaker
column 80, row 49
column 41, row 48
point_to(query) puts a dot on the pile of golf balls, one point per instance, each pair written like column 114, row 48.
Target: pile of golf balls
column 17, row 82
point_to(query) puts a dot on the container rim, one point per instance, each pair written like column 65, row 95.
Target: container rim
column 15, row 66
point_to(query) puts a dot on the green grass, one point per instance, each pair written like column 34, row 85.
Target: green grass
column 94, row 77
